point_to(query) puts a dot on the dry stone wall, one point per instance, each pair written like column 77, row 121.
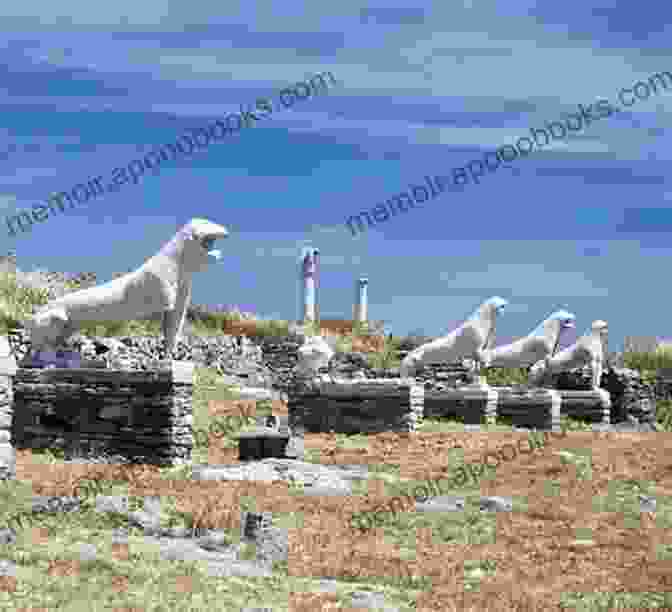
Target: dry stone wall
column 237, row 359
column 631, row 397
column 663, row 385
column 280, row 355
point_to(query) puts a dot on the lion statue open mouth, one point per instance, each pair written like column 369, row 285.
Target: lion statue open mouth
column 162, row 285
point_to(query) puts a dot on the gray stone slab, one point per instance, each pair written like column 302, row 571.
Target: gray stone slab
column 442, row 503
column 496, row 504
column 647, row 503
column 325, row 490
column 367, row 599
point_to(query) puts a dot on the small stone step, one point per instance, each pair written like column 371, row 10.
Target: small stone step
column 262, row 443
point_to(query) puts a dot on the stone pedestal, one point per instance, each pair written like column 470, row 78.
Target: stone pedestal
column 533, row 409
column 145, row 416
column 370, row 406
column 537, row 408
column 475, row 405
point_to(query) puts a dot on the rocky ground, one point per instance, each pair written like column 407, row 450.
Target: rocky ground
column 582, row 514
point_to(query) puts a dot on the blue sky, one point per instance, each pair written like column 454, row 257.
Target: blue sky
column 582, row 225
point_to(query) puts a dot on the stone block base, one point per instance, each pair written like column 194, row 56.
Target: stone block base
column 476, row 405
column 534, row 408
column 142, row 416
column 369, row 406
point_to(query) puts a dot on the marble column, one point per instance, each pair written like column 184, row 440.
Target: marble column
column 309, row 278
column 362, row 301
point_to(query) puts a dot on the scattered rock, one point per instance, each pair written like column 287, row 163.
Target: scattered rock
column 648, row 504
column 496, row 504
column 7, row 536
column 441, row 503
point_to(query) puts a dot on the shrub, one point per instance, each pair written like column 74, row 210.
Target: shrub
column 273, row 328
column 387, row 357
column 664, row 414
column 18, row 301
column 344, row 344
column 221, row 318
column 312, row 328
column 649, row 361
column 506, row 377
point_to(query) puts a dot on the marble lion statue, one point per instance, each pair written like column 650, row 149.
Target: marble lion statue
column 162, row 285
column 539, row 344
column 469, row 341
column 589, row 349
